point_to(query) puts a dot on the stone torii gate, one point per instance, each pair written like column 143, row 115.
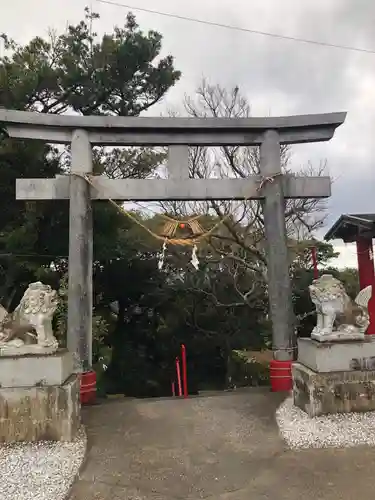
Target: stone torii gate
column 178, row 134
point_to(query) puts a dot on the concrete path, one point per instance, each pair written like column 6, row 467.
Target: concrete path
column 223, row 447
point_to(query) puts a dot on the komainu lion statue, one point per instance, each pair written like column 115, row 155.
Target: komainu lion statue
column 29, row 327
column 338, row 318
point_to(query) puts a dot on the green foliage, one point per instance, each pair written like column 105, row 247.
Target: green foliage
column 99, row 324
column 61, row 315
column 76, row 70
column 121, row 73
column 349, row 277
column 245, row 370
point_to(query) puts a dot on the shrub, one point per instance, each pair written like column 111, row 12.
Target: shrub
column 249, row 368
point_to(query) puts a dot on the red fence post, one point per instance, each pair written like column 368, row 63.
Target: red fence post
column 178, row 372
column 184, row 370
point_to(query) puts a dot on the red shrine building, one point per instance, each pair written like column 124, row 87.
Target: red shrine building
column 359, row 229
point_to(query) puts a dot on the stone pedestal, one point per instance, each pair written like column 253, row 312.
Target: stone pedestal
column 39, row 398
column 339, row 336
column 31, row 370
column 334, row 377
column 9, row 349
column 337, row 356
column 334, row 392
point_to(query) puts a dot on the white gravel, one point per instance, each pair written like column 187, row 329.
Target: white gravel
column 40, row 471
column 338, row 431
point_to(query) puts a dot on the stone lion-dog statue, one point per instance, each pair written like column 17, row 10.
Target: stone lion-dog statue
column 338, row 317
column 29, row 328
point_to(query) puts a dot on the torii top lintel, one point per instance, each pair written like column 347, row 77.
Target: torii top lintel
column 151, row 131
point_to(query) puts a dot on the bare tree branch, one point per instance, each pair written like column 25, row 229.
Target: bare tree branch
column 240, row 238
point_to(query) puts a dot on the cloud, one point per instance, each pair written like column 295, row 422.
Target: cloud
column 347, row 257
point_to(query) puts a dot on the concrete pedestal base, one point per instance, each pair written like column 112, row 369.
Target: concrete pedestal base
column 347, row 355
column 9, row 349
column 39, row 398
column 31, row 370
column 338, row 336
column 333, row 392
column 45, row 413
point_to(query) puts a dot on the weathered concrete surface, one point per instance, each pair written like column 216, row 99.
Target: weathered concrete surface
column 277, row 253
column 79, row 334
column 172, row 189
column 219, row 448
column 36, row 370
column 337, row 356
column 40, row 413
column 156, row 131
column 334, row 392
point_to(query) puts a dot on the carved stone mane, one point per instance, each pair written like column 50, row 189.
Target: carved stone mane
column 29, row 328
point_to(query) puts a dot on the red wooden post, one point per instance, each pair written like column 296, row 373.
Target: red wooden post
column 184, row 370
column 178, row 372
column 315, row 262
column 365, row 261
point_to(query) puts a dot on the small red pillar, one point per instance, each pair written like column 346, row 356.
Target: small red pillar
column 178, row 373
column 184, row 371
column 365, row 261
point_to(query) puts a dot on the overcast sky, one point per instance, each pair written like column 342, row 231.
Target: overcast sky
column 278, row 77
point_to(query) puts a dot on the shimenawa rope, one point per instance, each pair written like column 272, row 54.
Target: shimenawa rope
column 191, row 241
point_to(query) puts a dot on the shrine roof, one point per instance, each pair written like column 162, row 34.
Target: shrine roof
column 349, row 226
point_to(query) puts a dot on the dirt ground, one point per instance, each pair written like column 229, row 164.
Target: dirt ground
column 217, row 447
